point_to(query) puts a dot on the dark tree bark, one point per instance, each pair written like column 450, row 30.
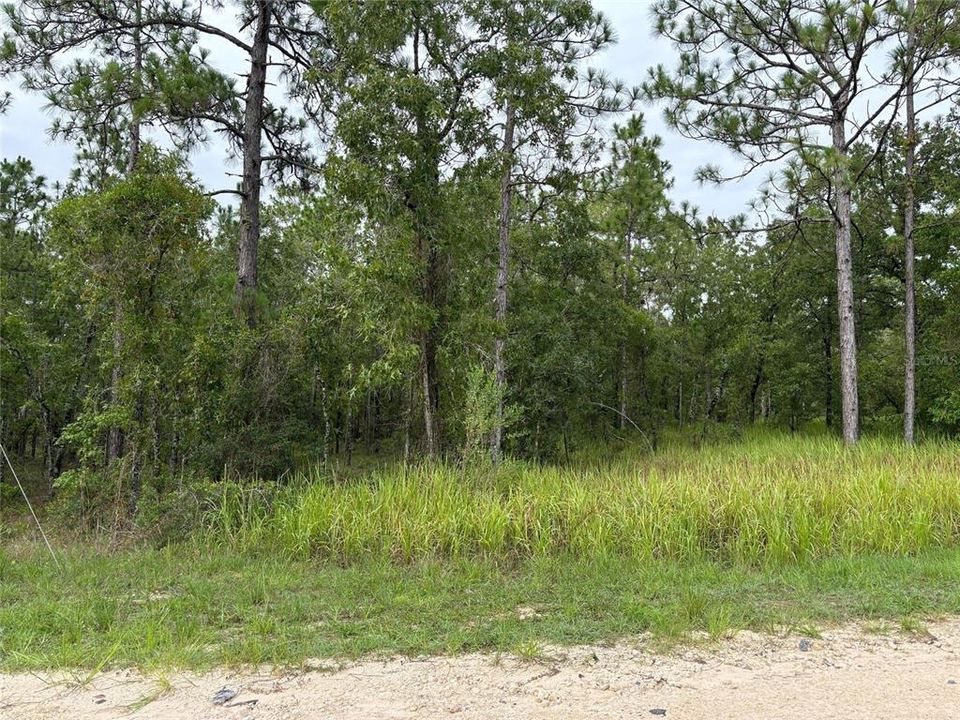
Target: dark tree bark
column 249, row 241
column 754, row 389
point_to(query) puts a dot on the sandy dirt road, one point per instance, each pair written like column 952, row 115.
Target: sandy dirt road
column 847, row 674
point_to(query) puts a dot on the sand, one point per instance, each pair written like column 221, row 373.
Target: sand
column 848, row 673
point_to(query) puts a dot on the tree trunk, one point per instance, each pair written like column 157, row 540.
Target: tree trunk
column 407, row 419
column 845, row 302
column 680, row 404
column 133, row 152
column 326, row 424
column 115, row 434
column 427, row 356
column 430, row 294
column 136, row 470
column 348, row 433
column 755, row 388
column 624, row 296
column 909, row 375
column 50, row 463
column 500, row 294
column 251, row 184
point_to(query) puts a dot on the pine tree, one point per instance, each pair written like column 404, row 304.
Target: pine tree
column 767, row 80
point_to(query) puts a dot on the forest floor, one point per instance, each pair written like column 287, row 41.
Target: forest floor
column 852, row 671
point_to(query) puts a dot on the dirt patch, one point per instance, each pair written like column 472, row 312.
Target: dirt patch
column 847, row 674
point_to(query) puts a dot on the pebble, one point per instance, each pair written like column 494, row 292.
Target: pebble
column 658, row 711
column 805, row 645
column 224, row 695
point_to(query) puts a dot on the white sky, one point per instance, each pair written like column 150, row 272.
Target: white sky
column 24, row 129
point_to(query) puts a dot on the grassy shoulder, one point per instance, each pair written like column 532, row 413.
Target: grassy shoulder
column 196, row 606
column 767, row 531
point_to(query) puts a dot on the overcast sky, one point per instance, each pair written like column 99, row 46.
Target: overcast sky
column 24, row 129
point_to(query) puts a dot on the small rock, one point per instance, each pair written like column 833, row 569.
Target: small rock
column 224, row 695
column 99, row 698
column 951, row 682
column 805, row 645
column 658, row 711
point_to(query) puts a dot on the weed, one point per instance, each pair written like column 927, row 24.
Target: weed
column 770, row 500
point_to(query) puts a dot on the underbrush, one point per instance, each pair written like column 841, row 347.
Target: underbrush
column 771, row 532
column 767, row 499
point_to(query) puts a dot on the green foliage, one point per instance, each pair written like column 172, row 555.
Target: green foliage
column 776, row 531
column 481, row 414
column 946, row 411
column 627, row 317
column 770, row 500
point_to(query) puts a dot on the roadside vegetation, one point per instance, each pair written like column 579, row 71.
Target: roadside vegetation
column 772, row 532
column 775, row 499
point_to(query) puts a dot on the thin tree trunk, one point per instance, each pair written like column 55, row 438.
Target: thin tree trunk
column 251, row 185
column 680, row 404
column 755, row 388
column 624, row 296
column 338, row 433
column 909, row 375
column 845, row 302
column 326, row 424
column 421, row 198
column 407, row 420
column 136, row 470
column 430, row 295
column 133, row 153
column 500, row 294
column 50, row 464
column 115, row 434
column 707, row 392
column 348, row 434
column 429, row 423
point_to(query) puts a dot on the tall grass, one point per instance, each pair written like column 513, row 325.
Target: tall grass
column 767, row 499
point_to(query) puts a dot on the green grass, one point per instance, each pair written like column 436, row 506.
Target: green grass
column 771, row 532
column 196, row 607
column 770, row 499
